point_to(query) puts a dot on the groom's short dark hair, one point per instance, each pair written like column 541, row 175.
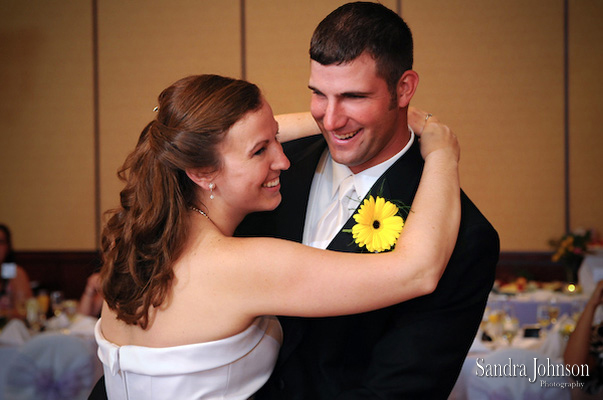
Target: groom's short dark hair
column 359, row 27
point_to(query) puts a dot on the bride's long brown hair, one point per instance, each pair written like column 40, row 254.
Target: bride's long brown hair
column 145, row 235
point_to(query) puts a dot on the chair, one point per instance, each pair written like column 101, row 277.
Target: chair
column 51, row 366
column 494, row 377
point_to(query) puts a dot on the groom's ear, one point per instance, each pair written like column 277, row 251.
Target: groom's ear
column 201, row 176
column 406, row 87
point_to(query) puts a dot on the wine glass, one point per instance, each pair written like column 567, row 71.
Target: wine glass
column 43, row 305
column 542, row 316
column 494, row 327
column 510, row 328
column 554, row 310
column 32, row 314
column 553, row 313
column 56, row 302
column 510, row 323
column 70, row 309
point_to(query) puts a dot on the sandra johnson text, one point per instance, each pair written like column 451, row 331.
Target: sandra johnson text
column 540, row 369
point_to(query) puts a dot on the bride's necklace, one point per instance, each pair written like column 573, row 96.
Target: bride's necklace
column 200, row 212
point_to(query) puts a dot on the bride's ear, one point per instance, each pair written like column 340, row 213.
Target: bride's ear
column 200, row 176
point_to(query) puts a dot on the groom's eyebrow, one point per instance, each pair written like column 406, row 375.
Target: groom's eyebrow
column 350, row 94
column 312, row 88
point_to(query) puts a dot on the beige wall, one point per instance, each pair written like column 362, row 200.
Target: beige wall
column 46, row 131
column 586, row 110
column 493, row 70
column 144, row 46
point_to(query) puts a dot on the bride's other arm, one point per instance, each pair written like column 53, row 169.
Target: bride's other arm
column 297, row 125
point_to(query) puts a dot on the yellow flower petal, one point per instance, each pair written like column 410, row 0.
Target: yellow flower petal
column 377, row 225
column 389, row 210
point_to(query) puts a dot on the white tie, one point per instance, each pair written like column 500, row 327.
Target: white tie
column 336, row 214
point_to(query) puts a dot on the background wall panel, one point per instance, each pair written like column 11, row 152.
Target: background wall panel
column 46, row 124
column 494, row 72
column 144, row 46
column 278, row 39
column 585, row 111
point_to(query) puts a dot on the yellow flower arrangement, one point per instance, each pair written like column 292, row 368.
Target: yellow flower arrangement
column 377, row 224
column 570, row 251
column 571, row 247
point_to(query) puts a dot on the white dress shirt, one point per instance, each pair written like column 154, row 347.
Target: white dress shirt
column 327, row 178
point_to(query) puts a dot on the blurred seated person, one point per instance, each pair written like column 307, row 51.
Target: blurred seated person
column 15, row 288
column 585, row 345
column 91, row 301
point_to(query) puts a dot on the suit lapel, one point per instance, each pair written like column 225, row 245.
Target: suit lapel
column 295, row 189
column 398, row 183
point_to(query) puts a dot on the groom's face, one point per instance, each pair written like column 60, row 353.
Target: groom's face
column 354, row 110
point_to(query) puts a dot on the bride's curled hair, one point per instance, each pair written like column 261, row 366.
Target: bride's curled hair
column 145, row 235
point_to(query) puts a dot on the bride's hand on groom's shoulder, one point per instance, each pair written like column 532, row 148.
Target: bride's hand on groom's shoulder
column 433, row 135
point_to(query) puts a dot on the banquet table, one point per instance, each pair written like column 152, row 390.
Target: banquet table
column 525, row 305
column 528, row 348
column 522, row 351
column 41, row 359
column 549, row 343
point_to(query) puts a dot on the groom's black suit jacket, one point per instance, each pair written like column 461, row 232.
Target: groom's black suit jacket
column 412, row 350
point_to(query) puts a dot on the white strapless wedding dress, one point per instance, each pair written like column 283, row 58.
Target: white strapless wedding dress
column 233, row 368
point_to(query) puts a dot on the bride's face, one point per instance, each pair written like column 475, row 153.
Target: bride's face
column 252, row 160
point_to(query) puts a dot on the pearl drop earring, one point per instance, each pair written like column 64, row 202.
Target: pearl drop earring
column 211, row 190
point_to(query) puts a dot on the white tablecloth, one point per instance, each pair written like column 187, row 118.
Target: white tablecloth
column 524, row 305
column 591, row 272
column 523, row 351
column 17, row 354
column 6, row 355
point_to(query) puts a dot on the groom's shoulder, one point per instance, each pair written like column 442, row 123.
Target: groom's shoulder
column 474, row 223
column 470, row 211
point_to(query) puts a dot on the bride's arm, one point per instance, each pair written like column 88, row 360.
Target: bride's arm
column 270, row 276
column 297, row 125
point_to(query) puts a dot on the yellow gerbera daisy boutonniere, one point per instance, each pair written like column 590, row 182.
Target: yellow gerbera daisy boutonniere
column 378, row 224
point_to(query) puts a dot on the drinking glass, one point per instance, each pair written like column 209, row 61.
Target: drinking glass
column 70, row 309
column 510, row 328
column 553, row 313
column 43, row 305
column 56, row 302
column 542, row 316
column 32, row 315
column 554, row 310
column 510, row 323
column 494, row 327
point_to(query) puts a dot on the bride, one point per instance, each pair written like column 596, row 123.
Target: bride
column 188, row 307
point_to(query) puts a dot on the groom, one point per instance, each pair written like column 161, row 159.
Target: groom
column 362, row 82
